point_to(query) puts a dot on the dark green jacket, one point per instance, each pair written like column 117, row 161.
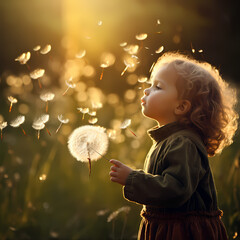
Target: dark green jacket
column 176, row 175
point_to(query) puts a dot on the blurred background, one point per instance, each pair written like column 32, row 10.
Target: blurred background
column 89, row 61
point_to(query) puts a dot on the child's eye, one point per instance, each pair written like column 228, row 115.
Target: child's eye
column 158, row 87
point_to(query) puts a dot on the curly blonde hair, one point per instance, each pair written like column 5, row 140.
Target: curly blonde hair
column 212, row 100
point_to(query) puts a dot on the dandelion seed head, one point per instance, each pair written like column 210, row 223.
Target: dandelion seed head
column 81, row 54
column 38, row 125
column 107, row 59
column 92, row 113
column 12, row 99
column 123, row 44
column 37, row 73
column 3, row 125
column 100, row 23
column 131, row 61
column 131, row 49
column 23, row 58
column 36, row 48
column 18, row 121
column 46, row 49
column 160, row 49
column 142, row 79
column 86, row 140
column 42, row 119
column 47, row 96
column 93, row 120
column 126, row 123
column 141, row 36
column 62, row 119
column 83, row 110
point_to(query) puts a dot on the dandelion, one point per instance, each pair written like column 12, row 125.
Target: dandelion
column 46, row 97
column 37, row 74
column 125, row 125
column 23, row 58
column 70, row 84
column 38, row 126
column 160, row 49
column 107, row 59
column 130, row 62
column 18, row 122
column 46, row 49
column 88, row 143
column 43, row 119
column 141, row 36
column 81, row 54
column 62, row 121
column 12, row 100
column 2, row 126
column 83, row 111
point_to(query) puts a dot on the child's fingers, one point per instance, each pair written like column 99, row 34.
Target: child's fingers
column 116, row 162
column 113, row 174
column 113, row 168
column 114, row 179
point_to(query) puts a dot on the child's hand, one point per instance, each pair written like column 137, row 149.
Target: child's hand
column 119, row 172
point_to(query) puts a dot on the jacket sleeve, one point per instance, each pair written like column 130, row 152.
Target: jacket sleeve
column 176, row 183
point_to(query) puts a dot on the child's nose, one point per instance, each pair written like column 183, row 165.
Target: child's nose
column 146, row 91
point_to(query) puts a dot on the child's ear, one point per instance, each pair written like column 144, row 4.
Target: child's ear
column 183, row 107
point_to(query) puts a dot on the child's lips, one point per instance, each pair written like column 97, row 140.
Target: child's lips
column 143, row 101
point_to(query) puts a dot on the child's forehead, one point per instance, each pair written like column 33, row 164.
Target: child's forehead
column 164, row 73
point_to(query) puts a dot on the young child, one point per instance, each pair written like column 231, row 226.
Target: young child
column 194, row 109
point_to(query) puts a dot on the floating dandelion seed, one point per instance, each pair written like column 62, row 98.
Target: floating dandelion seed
column 107, row 59
column 123, row 44
column 46, row 97
column 92, row 113
column 112, row 133
column 102, row 212
column 37, row 48
column 152, row 67
column 158, row 22
column 83, row 111
column 23, row 59
column 88, row 143
column 18, row 121
column 93, row 120
column 160, row 49
column 142, row 79
column 81, row 54
column 141, row 36
column 114, row 214
column 100, row 23
column 200, row 50
column 125, row 125
column 46, row 49
column 37, row 74
column 12, row 100
column 70, row 84
column 38, row 126
column 130, row 62
column 62, row 121
column 131, row 49
column 43, row 119
column 2, row 126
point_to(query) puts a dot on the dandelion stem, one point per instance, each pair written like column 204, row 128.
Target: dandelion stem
column 48, row 132
column 10, row 108
column 23, row 131
column 101, row 74
column 132, row 132
column 59, row 127
column 83, row 116
column 38, row 136
column 47, row 107
column 99, row 153
column 124, row 70
column 39, row 83
column 65, row 91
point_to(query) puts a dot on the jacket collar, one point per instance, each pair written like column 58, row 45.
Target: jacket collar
column 158, row 134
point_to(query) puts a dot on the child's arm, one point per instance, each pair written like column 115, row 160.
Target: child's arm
column 119, row 172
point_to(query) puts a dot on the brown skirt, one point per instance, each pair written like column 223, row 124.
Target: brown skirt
column 182, row 226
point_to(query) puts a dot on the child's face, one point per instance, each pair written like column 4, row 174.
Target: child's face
column 161, row 99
